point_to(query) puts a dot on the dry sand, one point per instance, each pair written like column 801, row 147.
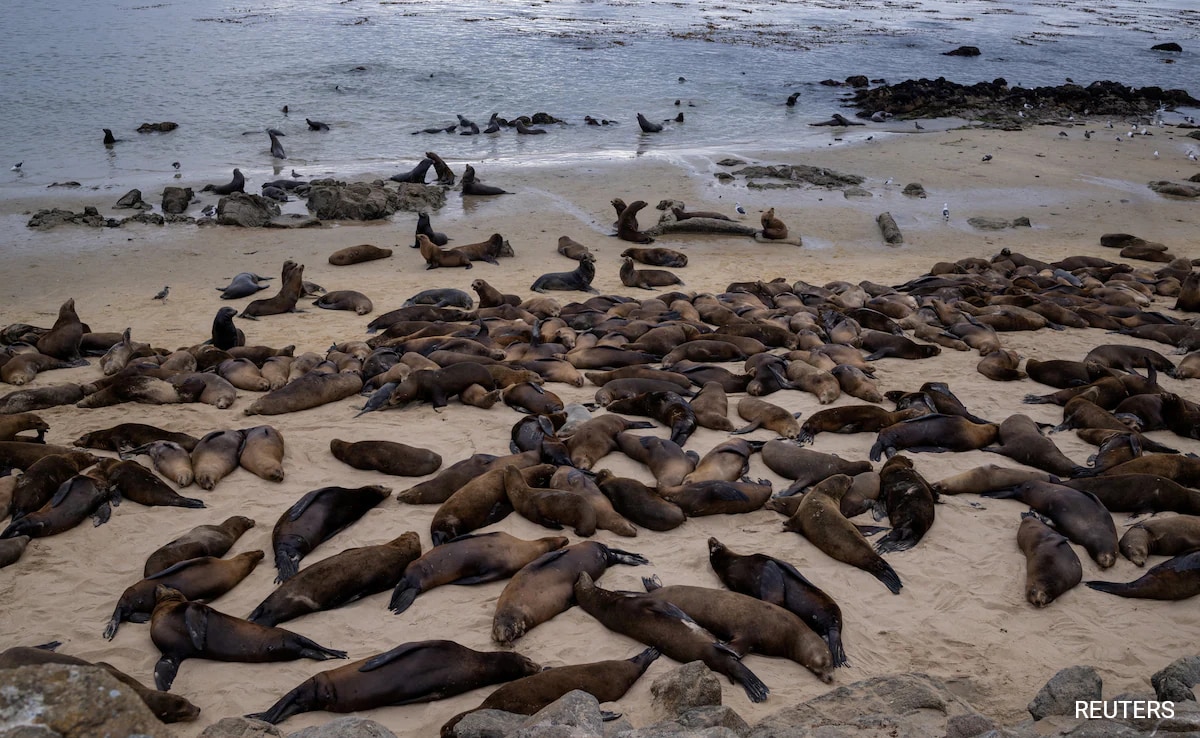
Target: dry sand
column 961, row 615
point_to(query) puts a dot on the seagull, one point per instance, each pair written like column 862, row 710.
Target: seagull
column 946, row 212
column 1190, row 119
column 986, row 157
column 887, row 182
column 1110, row 125
column 163, row 294
column 1156, row 154
column 1143, row 132
column 738, row 207
column 17, row 167
column 1063, row 134
column 1130, row 134
column 1192, row 155
column 1020, row 113
column 918, row 126
column 1087, row 134
column 295, row 174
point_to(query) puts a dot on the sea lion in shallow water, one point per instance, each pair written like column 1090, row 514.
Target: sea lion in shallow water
column 237, row 184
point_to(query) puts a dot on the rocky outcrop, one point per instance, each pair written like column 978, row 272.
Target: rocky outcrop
column 332, row 200
column 801, row 174
column 132, row 200
column 913, row 189
column 963, row 51
column 1058, row 696
column 240, row 727
column 61, row 701
column 345, row 727
column 1173, row 189
column 44, row 220
column 415, row 198
column 175, row 200
column 691, row 685
column 165, row 127
column 998, row 224
column 247, row 211
column 1168, row 46
column 1176, row 681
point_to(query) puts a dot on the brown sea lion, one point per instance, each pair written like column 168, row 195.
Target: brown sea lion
column 1162, row 537
column 491, row 249
column 659, row 257
column 712, row 408
column 666, row 460
column 667, row 408
column 703, row 349
column 779, row 583
column 908, row 500
column 437, row 387
column 387, row 457
column 852, row 419
column 546, row 586
column 170, row 459
column 11, row 425
column 986, row 478
column 773, row 228
column 1182, row 469
column 339, row 580
column 290, row 291
column 935, row 433
column 532, row 398
column 1021, row 440
column 203, row 540
column 1001, row 366
column 22, row 454
column 182, row 630
column 623, row 389
column 309, row 391
column 819, row 519
column 805, row 466
column 718, row 497
column 317, row 517
column 639, row 372
column 1128, row 358
column 1139, row 493
column 135, row 482
column 818, row 382
column 135, row 388
column 762, row 414
column 1051, row 566
column 580, row 483
column 604, row 357
column 1080, row 516
column 349, row 300
column 358, row 254
column 1060, row 373
column 597, row 438
column 664, row 626
column 210, row 389
column 200, row 579
column 572, row 249
column 23, row 368
column 243, row 374
column 551, row 508
column 40, row 398
column 452, row 478
column 647, row 279
column 638, row 503
column 727, row 461
column 76, row 499
column 62, row 341
column 216, row 456
column 886, row 345
column 1174, row 579
column 41, row 480
column 480, row 502
column 435, row 257
column 627, row 225
column 262, row 453
column 412, row 672
column 11, row 550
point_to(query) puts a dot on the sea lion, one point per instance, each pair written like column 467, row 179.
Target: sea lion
column 1021, row 440
column 22, row 454
column 545, row 587
column 262, row 453
column 1161, row 536
column 442, row 297
column 425, row 228
column 435, row 257
column 11, row 549
column 597, row 438
column 779, row 583
column 532, row 398
column 339, row 580
column 22, row 368
column 41, row 480
column 1080, row 516
column 11, row 425
column 666, row 460
column 40, row 398
column 908, row 500
column 1051, row 566
column 805, row 466
column 986, row 478
column 182, row 630
column 711, row 407
column 225, row 335
column 1177, row 578
column 664, row 626
column 852, row 419
column 1182, row 469
column 773, row 228
column 201, row 579
column 243, row 374
column 884, row 345
column 290, row 291
column 63, row 339
column 623, row 389
column 135, row 482
column 437, row 387
column 416, row 175
column 657, row 256
column 412, row 672
column 581, row 484
column 647, row 279
column 1000, row 366
column 667, row 408
column 472, row 186
column 481, row 501
column 718, row 497
column 387, row 457
column 471, row 559
column 819, row 519
column 454, row 477
column 216, row 456
column 444, row 175
column 203, row 540
column 638, row 503
column 749, row 625
column 243, row 285
column 1139, row 493
column 1127, row 358
column 703, row 349
column 358, row 254
column 357, row 302
column 75, row 500
column 727, row 461
column 490, row 250
column 572, row 249
column 580, row 279
column 933, row 433
column 627, row 225
column 317, row 517
column 551, row 508
column 308, row 391
column 818, row 382
column 170, row 459
column 762, row 414
column 1060, row 373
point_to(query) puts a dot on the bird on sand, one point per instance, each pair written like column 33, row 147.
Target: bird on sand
column 17, row 167
column 986, row 157
column 918, row 126
column 162, row 295
column 946, row 212
column 738, row 207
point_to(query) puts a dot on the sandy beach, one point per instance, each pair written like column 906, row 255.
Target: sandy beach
column 961, row 615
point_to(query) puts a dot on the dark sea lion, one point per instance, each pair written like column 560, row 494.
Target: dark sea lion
column 489, row 250
column 22, row 454
column 1080, row 516
column 262, row 453
column 703, row 349
column 934, row 433
column 806, row 466
column 237, row 184
column 339, row 580
column 667, row 408
column 472, row 186
column 243, row 285
column 1189, row 293
column 472, row 559
column 551, row 508
column 317, row 517
column 582, row 484
column 442, row 297
column 42, row 478
column 170, row 459
column 290, row 291
column 749, row 625
column 572, row 249
column 532, row 398
column 627, row 224
column 647, row 126
column 1174, row 579
column 986, row 478
column 310, row 390
column 444, row 174
column 277, row 151
column 819, row 519
column 660, row 257
column 1139, row 493
column 886, row 345
column 75, row 500
column 712, row 408
column 387, row 457
column 135, row 482
column 1051, row 566
column 182, row 630
column 437, row 387
column 852, row 419
column 203, row 540
column 216, row 456
column 664, row 626
column 425, row 228
column 11, row 425
column 1128, row 358
column 908, row 500
column 62, row 341
column 623, row 389
column 316, row 125
column 1021, row 440
column 201, row 579
column 11, row 550
column 435, row 257
column 413, row 672
column 605, row 357
column 666, row 460
column 416, row 175
column 479, row 502
column 638, row 503
column 762, row 414
column 40, row 398
column 1161, row 537
column 779, row 583
column 1060, row 373
column 647, row 279
column 718, row 497
column 578, row 280
column 546, row 586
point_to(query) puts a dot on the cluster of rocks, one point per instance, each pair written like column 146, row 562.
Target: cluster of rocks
column 787, row 176
column 165, row 127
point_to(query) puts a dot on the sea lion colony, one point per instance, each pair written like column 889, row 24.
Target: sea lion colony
column 792, row 342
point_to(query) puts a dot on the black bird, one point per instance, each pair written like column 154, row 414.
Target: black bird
column 987, row 157
column 175, row 165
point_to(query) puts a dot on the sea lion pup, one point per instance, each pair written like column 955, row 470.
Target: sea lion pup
column 200, row 579
column 41, row 480
column 636, row 502
column 908, row 500
column 779, row 583
column 216, row 456
column 660, row 257
column 712, row 408
column 546, row 586
column 579, row 279
column 63, row 339
column 647, row 279
column 1177, row 578
column 762, row 414
column 748, row 624
column 11, row 425
column 358, row 254
column 317, row 517
column 135, row 482
column 1080, row 516
column 627, row 225
column 666, row 460
column 1127, row 358
column 472, row 186
column 168, row 708
column 339, row 580
column 75, row 500
column 773, row 228
column 470, row 559
column 986, row 478
column 597, row 438
column 421, row 671
column 1161, row 536
column 718, row 497
column 434, row 256
column 607, row 681
column 203, row 540
column 11, row 550
column 551, row 508
column 387, row 457
column 182, row 630
column 656, row 623
column 1051, row 565
column 852, row 419
column 237, row 184
column 1021, row 440
column 819, row 519
column 490, row 250
column 290, row 291
column 572, row 249
column 310, row 390
column 934, row 433
column 667, row 408
column 170, row 459
column 40, row 398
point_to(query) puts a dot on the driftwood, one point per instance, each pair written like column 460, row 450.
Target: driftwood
column 891, row 231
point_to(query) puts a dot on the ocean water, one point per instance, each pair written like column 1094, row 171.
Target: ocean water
column 377, row 70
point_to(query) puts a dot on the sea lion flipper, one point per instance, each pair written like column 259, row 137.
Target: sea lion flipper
column 403, row 596
column 138, row 617
column 302, row 504
column 164, row 673
column 746, row 429
column 617, row 556
column 652, row 583
column 102, row 514
column 870, row 530
column 388, row 657
column 195, row 619
column 608, row 717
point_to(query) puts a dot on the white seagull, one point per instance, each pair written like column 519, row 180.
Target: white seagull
column 738, row 207
column 946, row 212
column 887, row 182
column 17, row 167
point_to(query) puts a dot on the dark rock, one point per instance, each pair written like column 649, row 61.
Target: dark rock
column 489, row 724
column 730, row 162
column 1194, row 134
column 164, row 127
column 44, row 220
column 1172, row 189
column 856, row 192
column 831, row 83
column 1194, row 178
column 175, row 200
column 293, row 221
column 998, row 224
column 415, row 198
column 145, row 218
column 967, row 726
column 713, row 716
column 132, row 200
column 576, row 710
column 1169, row 46
column 332, row 200
column 689, row 686
column 1059, row 695
column 963, row 51
column 724, row 177
column 539, row 118
column 1175, row 682
column 245, row 210
column 62, row 701
column 858, row 80
column 913, row 189
column 818, row 176
column 240, row 727
column 345, row 727
column 72, row 184
column 889, row 229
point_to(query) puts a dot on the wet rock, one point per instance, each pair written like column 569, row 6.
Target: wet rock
column 1169, row 46
column 913, row 189
column 1175, row 682
column 730, row 162
column 539, row 118
column 1172, row 189
column 802, row 173
column 963, row 51
column 1064, row 688
column 345, row 727
column 145, row 219
column 240, row 727
column 132, row 200
column 62, row 701
column 998, row 224
column 856, row 192
column 293, row 221
column 245, row 210
column 889, row 229
column 830, row 83
column 175, row 200
column 489, row 724
column 44, row 220
column 332, row 200
column 179, row 219
column 727, row 177
column 576, row 710
column 858, row 80
column 689, row 686
column 415, row 198
column 71, row 183
column 165, row 127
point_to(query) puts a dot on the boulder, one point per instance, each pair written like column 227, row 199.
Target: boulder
column 998, row 224
column 1175, row 682
column 132, row 200
column 240, row 727
column 802, row 173
column 245, row 210
column 345, row 727
column 415, row 198
column 858, row 80
column 689, row 686
column 1169, row 46
column 577, row 711
column 63, row 701
column 293, row 221
column 1059, row 695
column 889, row 229
column 730, row 162
column 332, row 200
column 913, row 189
column 44, row 220
column 963, row 51
column 145, row 219
column 1172, row 189
column 175, row 200
column 489, row 724
column 165, row 127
